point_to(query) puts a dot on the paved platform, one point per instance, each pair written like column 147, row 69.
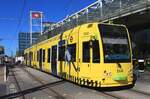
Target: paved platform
column 2, row 80
column 35, row 84
column 2, row 73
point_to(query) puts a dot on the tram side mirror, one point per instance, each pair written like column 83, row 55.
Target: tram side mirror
column 92, row 39
column 91, row 43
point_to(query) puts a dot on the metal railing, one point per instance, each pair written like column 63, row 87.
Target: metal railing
column 99, row 11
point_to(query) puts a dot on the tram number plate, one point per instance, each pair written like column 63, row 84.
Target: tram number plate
column 119, row 70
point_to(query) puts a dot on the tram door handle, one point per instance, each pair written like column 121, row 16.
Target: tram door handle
column 88, row 65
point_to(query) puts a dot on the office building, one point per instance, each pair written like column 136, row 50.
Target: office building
column 24, row 40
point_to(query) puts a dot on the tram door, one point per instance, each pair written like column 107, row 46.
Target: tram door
column 26, row 57
column 40, row 58
column 30, row 58
column 84, row 59
column 54, row 60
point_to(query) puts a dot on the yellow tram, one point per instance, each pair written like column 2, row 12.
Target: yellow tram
column 92, row 54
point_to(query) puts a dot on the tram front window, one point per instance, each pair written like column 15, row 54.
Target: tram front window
column 115, row 43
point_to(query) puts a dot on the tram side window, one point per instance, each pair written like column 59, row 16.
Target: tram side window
column 30, row 56
column 72, row 50
column 86, row 52
column 43, row 55
column 49, row 54
column 96, row 52
column 27, row 56
column 61, row 53
column 37, row 55
column 34, row 56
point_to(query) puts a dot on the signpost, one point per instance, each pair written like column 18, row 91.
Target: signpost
column 35, row 15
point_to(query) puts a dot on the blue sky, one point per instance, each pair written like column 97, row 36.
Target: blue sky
column 10, row 12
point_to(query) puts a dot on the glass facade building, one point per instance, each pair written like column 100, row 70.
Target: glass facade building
column 24, row 41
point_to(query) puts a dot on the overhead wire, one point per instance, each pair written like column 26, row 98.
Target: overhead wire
column 17, row 30
column 21, row 15
column 12, row 19
column 68, row 6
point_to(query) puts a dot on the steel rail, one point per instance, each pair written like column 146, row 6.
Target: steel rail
column 17, row 84
column 31, row 90
column 114, row 96
column 37, row 79
column 140, row 91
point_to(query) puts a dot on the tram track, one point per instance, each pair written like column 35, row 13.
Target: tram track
column 58, row 96
column 17, row 84
column 108, row 95
column 117, row 96
column 141, row 92
column 105, row 94
column 22, row 92
column 113, row 96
